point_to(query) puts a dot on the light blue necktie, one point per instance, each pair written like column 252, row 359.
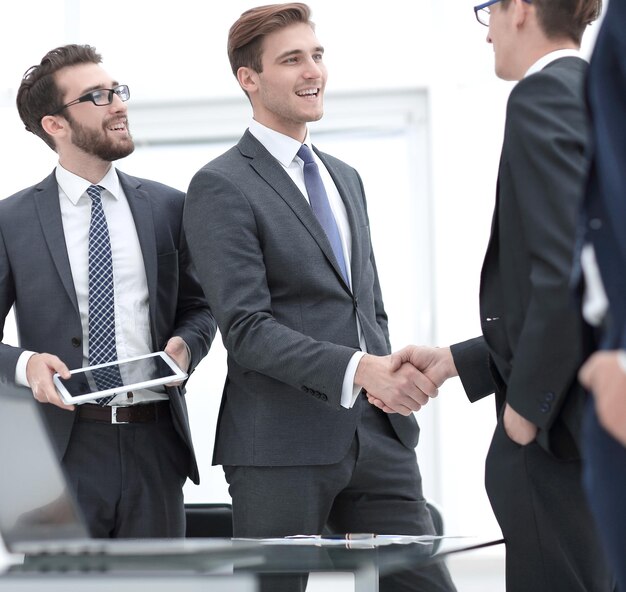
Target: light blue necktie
column 321, row 206
column 102, row 346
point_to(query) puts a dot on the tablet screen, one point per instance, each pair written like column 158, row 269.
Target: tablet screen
column 130, row 374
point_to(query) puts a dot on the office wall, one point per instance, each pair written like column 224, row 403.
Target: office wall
column 170, row 51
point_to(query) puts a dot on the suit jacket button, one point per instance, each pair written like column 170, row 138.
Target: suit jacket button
column 549, row 397
column 595, row 223
column 545, row 407
column 323, row 397
column 76, row 341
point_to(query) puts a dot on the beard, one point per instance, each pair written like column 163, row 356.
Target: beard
column 97, row 142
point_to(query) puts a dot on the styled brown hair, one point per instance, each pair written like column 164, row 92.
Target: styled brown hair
column 565, row 18
column 39, row 94
column 245, row 37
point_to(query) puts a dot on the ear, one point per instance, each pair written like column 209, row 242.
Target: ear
column 248, row 79
column 55, row 126
column 522, row 11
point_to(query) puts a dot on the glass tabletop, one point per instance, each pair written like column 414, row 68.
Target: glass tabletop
column 387, row 554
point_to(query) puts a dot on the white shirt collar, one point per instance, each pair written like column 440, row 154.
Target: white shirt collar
column 543, row 61
column 74, row 186
column 283, row 148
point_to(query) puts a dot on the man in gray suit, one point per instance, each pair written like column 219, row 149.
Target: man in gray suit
column 96, row 265
column 279, row 235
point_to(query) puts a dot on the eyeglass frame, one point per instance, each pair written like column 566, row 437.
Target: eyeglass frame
column 90, row 97
column 484, row 5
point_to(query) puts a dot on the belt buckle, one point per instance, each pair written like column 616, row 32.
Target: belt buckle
column 114, row 419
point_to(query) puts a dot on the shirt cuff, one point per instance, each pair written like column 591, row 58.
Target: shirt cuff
column 20, row 368
column 350, row 391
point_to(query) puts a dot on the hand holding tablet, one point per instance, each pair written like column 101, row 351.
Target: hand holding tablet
column 133, row 373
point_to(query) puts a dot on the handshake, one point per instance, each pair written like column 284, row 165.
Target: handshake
column 404, row 381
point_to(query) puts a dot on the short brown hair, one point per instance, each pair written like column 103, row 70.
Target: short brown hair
column 245, row 37
column 565, row 18
column 39, row 94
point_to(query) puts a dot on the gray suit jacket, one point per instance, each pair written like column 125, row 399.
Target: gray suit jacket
column 287, row 318
column 35, row 276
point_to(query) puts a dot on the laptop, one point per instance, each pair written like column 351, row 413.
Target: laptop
column 39, row 516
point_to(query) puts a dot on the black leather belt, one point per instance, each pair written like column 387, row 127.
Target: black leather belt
column 140, row 413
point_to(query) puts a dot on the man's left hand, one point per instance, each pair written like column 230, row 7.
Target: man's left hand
column 517, row 427
column 177, row 349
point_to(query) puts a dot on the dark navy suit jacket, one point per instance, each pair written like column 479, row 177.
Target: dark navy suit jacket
column 604, row 212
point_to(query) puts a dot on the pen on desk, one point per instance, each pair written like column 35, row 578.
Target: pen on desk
column 350, row 536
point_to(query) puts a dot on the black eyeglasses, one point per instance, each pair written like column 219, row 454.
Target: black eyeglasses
column 483, row 12
column 100, row 97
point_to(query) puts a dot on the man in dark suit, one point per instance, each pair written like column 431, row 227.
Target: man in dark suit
column 279, row 235
column 529, row 351
column 96, row 266
column 604, row 251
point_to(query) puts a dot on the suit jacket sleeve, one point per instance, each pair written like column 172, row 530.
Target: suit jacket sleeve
column 546, row 135
column 471, row 359
column 8, row 354
column 195, row 323
column 381, row 314
column 227, row 250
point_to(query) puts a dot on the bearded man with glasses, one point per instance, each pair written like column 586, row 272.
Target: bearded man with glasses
column 95, row 263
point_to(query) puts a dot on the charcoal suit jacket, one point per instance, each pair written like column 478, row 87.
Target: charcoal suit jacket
column 287, row 317
column 36, row 278
column 530, row 350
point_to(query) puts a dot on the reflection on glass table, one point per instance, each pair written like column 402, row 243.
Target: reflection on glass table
column 367, row 559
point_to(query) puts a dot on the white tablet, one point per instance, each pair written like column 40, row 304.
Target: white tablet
column 121, row 376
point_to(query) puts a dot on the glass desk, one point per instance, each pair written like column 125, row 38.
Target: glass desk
column 367, row 560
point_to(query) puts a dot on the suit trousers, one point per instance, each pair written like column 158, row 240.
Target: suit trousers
column 375, row 488
column 538, row 500
column 128, row 479
column 605, row 483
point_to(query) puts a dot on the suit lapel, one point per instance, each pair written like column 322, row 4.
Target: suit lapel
column 49, row 212
column 141, row 209
column 267, row 167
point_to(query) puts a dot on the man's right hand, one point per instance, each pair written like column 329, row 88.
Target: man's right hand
column 39, row 371
column 603, row 375
column 400, row 387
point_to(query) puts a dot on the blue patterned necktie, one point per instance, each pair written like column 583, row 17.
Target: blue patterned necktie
column 321, row 206
column 102, row 346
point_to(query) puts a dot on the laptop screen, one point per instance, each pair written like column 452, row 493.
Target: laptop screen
column 35, row 503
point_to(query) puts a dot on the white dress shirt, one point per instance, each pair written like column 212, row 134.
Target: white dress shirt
column 132, row 315
column 284, row 149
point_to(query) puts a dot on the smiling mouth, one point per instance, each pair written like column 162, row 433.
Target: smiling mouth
column 308, row 92
column 118, row 126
